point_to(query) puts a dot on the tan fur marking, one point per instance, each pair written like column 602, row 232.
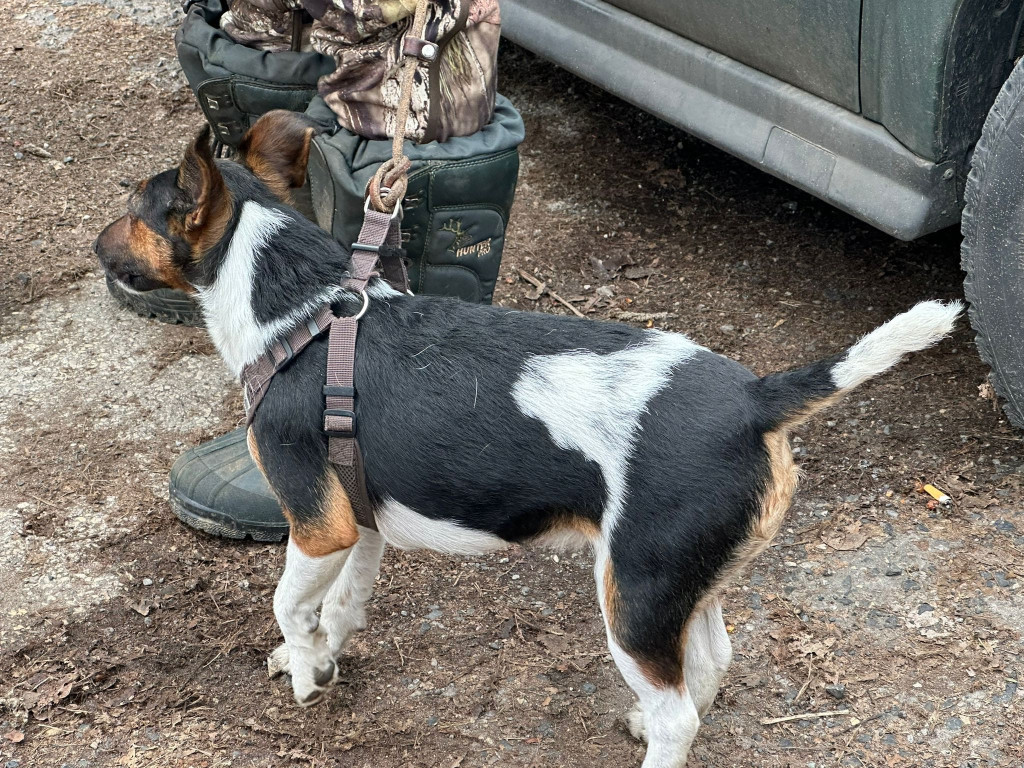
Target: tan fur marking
column 155, row 252
column 218, row 218
column 254, row 451
column 567, row 530
column 336, row 527
column 611, row 596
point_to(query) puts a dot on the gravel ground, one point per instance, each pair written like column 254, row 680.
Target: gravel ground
column 127, row 639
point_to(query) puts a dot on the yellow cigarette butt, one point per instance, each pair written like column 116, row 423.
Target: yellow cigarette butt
column 938, row 495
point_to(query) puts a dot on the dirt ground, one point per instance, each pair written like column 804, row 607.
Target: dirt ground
column 127, row 639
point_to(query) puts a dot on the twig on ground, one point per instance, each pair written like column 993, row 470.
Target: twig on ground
column 810, row 674
column 543, row 288
column 804, row 716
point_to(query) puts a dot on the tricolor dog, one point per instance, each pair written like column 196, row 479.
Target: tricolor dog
column 482, row 427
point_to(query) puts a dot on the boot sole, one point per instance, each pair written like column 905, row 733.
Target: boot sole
column 165, row 305
column 209, row 521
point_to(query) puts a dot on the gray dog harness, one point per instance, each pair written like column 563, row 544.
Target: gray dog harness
column 378, row 247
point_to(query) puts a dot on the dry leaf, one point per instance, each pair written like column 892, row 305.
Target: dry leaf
column 638, row 273
column 14, row 737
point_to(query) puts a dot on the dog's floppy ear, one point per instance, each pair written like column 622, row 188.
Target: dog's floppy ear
column 276, row 150
column 200, row 180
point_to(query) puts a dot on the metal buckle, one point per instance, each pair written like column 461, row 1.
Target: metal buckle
column 347, row 433
column 398, row 213
column 366, row 305
column 289, row 355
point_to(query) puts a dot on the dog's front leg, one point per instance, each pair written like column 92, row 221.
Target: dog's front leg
column 344, row 611
column 305, row 653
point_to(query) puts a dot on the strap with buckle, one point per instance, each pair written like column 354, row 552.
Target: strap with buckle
column 340, row 417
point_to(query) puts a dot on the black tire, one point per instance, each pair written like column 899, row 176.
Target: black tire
column 993, row 246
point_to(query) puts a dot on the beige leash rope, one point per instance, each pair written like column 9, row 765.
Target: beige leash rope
column 388, row 186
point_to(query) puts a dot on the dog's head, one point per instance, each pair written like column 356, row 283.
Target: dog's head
column 178, row 217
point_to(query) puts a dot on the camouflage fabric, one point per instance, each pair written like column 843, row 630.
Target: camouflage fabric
column 263, row 24
column 452, row 96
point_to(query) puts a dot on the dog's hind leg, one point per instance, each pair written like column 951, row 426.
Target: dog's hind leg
column 706, row 659
column 344, row 611
column 708, row 654
column 666, row 717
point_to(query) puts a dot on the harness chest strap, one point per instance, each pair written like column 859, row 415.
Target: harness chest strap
column 379, row 230
column 340, row 418
column 339, row 393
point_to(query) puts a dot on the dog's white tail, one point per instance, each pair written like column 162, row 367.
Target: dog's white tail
column 926, row 324
column 792, row 396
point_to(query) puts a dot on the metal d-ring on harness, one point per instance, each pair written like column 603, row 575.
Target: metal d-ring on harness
column 376, row 253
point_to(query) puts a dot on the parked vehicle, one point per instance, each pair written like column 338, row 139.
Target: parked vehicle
column 907, row 114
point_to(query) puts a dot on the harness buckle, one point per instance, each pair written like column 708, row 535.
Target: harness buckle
column 340, row 412
column 289, row 354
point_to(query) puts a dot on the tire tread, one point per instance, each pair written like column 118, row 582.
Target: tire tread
column 1009, row 99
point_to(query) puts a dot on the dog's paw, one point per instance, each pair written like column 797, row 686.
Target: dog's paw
column 310, row 689
column 309, row 684
column 635, row 723
column 278, row 662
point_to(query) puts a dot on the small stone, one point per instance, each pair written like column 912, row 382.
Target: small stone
column 147, row 582
column 435, row 613
column 910, row 585
column 11, row 764
column 1001, row 580
column 954, row 724
column 19, row 155
column 924, row 608
column 432, row 721
column 125, row 183
column 893, row 571
column 68, row 160
column 837, row 692
column 588, row 688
